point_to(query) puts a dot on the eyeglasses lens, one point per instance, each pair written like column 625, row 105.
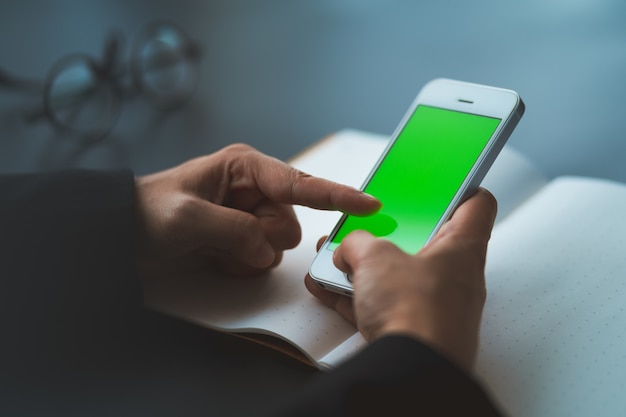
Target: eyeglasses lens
column 78, row 99
column 166, row 66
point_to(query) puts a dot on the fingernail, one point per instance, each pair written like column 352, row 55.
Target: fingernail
column 372, row 198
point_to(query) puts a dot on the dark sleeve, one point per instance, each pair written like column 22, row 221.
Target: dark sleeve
column 396, row 375
column 67, row 272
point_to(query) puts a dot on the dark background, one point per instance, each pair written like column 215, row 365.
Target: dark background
column 281, row 74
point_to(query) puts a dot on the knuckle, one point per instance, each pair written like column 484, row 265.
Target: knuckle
column 298, row 177
column 238, row 148
column 249, row 238
column 178, row 214
column 245, row 227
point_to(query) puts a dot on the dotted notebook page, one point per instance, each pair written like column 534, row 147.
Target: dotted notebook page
column 553, row 338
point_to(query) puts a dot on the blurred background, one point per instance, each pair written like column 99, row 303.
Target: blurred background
column 282, row 74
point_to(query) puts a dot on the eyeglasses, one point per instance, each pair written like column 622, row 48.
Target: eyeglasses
column 85, row 96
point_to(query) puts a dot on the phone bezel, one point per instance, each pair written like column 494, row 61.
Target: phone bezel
column 478, row 99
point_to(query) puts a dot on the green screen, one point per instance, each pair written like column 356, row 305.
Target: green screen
column 421, row 174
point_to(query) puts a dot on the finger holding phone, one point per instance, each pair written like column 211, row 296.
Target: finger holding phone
column 436, row 295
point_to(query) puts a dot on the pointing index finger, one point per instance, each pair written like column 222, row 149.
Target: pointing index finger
column 323, row 194
column 286, row 184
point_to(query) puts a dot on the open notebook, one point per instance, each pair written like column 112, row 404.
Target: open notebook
column 553, row 339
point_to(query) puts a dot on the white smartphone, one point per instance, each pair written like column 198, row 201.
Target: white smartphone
column 438, row 155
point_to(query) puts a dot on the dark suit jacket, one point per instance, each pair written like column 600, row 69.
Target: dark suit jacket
column 76, row 339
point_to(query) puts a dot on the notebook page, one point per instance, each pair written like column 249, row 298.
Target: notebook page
column 343, row 352
column 512, row 179
column 553, row 339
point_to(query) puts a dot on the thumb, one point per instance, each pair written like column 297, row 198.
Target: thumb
column 352, row 250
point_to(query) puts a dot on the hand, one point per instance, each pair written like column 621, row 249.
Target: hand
column 436, row 296
column 231, row 210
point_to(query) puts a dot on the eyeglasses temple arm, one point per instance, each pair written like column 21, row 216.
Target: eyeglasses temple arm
column 12, row 82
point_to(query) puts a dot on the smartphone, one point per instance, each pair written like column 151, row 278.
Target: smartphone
column 437, row 157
